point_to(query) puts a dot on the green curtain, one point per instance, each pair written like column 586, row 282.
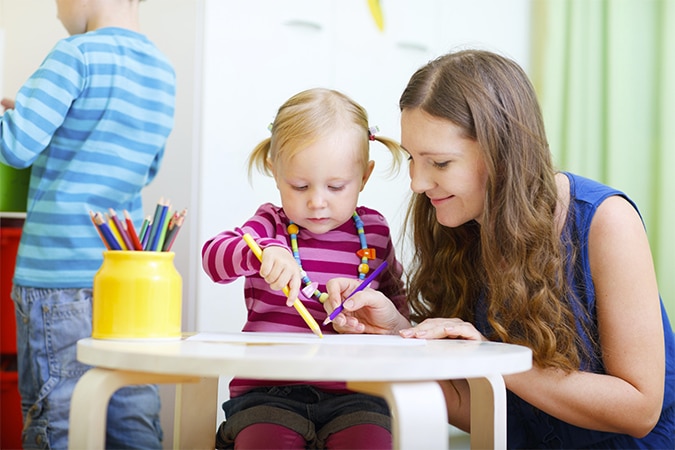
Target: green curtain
column 604, row 71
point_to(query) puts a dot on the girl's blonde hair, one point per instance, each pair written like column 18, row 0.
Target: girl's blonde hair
column 514, row 260
column 304, row 118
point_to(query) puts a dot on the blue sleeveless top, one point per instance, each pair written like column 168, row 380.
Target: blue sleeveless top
column 529, row 427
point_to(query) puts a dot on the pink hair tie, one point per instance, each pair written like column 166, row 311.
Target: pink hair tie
column 372, row 131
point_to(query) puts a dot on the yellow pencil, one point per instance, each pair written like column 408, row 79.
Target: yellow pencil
column 116, row 232
column 297, row 304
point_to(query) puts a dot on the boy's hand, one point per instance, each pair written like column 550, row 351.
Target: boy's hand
column 7, row 103
column 279, row 269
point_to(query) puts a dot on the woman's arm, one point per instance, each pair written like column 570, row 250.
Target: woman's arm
column 628, row 398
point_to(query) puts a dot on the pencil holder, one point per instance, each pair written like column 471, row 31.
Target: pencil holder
column 137, row 295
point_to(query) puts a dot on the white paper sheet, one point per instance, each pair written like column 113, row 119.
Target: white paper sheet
column 305, row 338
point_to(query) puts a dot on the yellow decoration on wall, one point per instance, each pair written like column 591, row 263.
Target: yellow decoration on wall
column 376, row 11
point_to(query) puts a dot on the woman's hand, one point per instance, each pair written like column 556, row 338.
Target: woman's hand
column 280, row 270
column 368, row 311
column 443, row 328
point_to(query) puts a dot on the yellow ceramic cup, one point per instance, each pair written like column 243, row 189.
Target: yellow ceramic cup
column 137, row 295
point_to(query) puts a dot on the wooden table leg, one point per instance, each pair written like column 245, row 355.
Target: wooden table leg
column 420, row 417
column 488, row 412
column 194, row 425
column 89, row 403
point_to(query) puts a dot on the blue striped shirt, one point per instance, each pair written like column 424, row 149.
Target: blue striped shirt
column 92, row 122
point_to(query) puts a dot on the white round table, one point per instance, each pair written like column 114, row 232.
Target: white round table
column 404, row 373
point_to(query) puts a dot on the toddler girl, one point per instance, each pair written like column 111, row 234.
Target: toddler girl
column 318, row 154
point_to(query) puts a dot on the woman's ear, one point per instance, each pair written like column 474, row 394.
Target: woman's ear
column 367, row 173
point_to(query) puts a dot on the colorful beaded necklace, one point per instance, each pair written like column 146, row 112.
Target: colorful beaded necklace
column 365, row 253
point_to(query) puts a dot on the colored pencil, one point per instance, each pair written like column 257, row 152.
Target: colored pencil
column 115, row 231
column 98, row 230
column 132, row 231
column 152, row 226
column 121, row 229
column 107, row 232
column 174, row 227
column 157, row 225
column 165, row 227
column 119, row 233
column 359, row 288
column 297, row 304
column 144, row 234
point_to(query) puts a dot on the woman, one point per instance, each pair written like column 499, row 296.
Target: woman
column 507, row 249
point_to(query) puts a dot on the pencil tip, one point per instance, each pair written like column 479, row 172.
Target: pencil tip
column 327, row 321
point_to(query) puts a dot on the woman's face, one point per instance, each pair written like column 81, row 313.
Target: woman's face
column 445, row 166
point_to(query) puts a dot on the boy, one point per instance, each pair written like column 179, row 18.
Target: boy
column 92, row 122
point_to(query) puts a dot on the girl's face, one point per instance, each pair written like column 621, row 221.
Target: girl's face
column 320, row 185
column 445, row 166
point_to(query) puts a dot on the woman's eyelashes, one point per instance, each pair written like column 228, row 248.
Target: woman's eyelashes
column 436, row 164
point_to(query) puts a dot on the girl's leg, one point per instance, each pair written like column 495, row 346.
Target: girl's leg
column 264, row 436
column 372, row 437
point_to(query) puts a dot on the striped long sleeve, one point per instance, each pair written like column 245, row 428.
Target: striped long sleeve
column 92, row 121
column 226, row 257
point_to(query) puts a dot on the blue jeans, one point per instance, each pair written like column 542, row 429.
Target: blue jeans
column 49, row 324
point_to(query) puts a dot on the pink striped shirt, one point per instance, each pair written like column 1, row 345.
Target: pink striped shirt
column 226, row 257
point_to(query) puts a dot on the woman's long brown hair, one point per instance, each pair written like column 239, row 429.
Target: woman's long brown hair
column 515, row 259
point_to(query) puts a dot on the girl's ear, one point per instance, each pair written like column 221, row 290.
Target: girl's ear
column 270, row 167
column 367, row 173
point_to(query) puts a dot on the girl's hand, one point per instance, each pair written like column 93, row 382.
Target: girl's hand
column 443, row 328
column 368, row 311
column 280, row 270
